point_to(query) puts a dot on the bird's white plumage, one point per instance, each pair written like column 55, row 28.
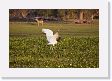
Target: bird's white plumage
column 50, row 37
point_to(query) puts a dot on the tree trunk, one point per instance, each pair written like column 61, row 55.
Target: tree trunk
column 81, row 16
column 92, row 17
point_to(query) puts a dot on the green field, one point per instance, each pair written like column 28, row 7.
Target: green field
column 77, row 48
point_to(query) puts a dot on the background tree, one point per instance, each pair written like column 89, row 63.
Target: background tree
column 19, row 12
column 24, row 12
column 62, row 14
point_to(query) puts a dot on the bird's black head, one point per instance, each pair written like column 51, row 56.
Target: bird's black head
column 58, row 39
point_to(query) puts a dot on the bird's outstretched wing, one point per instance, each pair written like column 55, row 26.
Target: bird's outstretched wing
column 52, row 39
column 56, row 35
column 49, row 33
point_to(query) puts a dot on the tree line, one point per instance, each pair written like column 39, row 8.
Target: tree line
column 61, row 14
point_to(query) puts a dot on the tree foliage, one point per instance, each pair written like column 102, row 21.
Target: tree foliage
column 63, row 14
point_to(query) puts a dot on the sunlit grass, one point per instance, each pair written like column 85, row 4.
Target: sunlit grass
column 78, row 47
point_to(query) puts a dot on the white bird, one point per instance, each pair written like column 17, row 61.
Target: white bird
column 52, row 39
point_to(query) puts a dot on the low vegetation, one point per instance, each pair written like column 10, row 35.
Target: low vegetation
column 78, row 47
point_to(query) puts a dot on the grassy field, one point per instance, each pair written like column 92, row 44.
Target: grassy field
column 78, row 47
